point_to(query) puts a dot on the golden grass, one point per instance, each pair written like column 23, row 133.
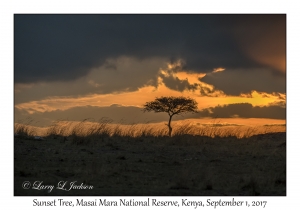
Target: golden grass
column 106, row 128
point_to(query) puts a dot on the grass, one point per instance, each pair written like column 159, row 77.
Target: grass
column 24, row 130
column 105, row 128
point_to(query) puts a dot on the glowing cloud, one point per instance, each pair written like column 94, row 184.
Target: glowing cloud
column 218, row 70
column 171, row 74
column 147, row 93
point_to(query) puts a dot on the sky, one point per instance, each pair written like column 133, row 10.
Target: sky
column 73, row 67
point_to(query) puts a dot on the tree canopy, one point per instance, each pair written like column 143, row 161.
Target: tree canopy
column 171, row 105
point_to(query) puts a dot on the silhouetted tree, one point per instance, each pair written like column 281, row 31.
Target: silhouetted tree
column 172, row 106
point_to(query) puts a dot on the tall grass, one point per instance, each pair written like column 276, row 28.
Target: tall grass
column 25, row 130
column 106, row 128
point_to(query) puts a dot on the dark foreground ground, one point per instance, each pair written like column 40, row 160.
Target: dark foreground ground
column 149, row 166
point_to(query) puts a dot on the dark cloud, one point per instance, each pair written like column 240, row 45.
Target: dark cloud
column 66, row 47
column 117, row 113
column 235, row 82
column 175, row 83
column 244, row 110
column 117, row 75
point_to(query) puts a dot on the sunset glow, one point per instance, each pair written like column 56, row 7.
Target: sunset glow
column 147, row 93
column 237, row 82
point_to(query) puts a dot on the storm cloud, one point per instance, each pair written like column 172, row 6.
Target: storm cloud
column 245, row 110
column 68, row 47
column 236, row 82
column 116, row 75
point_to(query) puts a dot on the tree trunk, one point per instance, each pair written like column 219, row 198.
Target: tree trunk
column 169, row 125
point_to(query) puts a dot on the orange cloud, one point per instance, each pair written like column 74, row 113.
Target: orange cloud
column 139, row 97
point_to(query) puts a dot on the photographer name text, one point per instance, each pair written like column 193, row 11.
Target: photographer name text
column 61, row 185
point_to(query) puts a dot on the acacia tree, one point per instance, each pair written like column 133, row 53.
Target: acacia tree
column 172, row 106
